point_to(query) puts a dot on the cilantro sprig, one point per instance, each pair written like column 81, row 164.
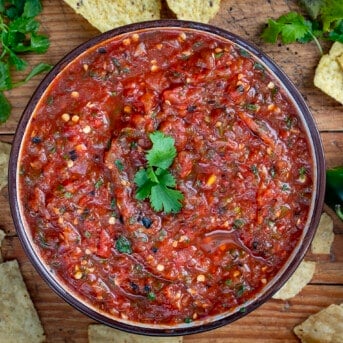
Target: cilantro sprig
column 155, row 181
column 18, row 35
column 324, row 20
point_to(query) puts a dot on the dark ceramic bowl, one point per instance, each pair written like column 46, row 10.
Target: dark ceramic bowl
column 211, row 322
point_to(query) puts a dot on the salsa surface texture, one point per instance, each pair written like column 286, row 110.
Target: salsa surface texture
column 243, row 165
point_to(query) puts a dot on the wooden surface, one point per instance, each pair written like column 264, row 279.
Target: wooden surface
column 272, row 322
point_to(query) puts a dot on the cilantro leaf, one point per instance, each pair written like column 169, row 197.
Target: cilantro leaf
column 312, row 7
column 290, row 27
column 271, row 32
column 5, row 108
column 331, row 12
column 337, row 33
column 16, row 61
column 163, row 151
column 295, row 27
column 32, row 8
column 38, row 69
column 144, row 184
column 23, row 25
column 5, row 79
column 18, row 34
column 156, row 182
column 38, row 44
column 165, row 198
column 166, row 178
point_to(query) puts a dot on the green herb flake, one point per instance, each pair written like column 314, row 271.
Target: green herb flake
column 42, row 241
column 274, row 91
column 87, row 234
column 302, row 171
column 218, row 54
column 228, row 282
column 251, row 107
column 151, row 296
column 244, row 53
column 68, row 195
column 259, row 66
column 238, row 223
column 285, row 187
column 254, row 169
column 99, row 183
column 123, row 245
column 119, row 164
column 240, row 289
column 289, row 122
column 113, row 204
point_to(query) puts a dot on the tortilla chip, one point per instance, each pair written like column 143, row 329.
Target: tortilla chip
column 105, row 334
column 19, row 322
column 339, row 59
column 325, row 326
column 106, row 15
column 324, row 236
column 197, row 10
column 2, row 236
column 336, row 50
column 329, row 75
column 5, row 150
column 301, row 277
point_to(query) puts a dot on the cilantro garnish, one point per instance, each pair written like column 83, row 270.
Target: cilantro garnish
column 290, row 27
column 18, row 35
column 324, row 21
column 155, row 181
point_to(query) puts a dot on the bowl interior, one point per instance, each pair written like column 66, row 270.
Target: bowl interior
column 211, row 322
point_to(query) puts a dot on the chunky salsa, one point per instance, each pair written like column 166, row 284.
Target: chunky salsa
column 243, row 166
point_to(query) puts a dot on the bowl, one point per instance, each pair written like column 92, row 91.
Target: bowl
column 247, row 161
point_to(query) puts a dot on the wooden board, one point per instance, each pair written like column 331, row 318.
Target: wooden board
column 272, row 322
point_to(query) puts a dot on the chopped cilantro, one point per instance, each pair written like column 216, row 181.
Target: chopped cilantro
column 218, row 54
column 238, row 223
column 99, row 183
column 302, row 171
column 254, row 169
column 123, row 245
column 119, row 164
column 244, row 53
column 228, row 282
column 240, row 289
column 68, row 195
column 151, row 296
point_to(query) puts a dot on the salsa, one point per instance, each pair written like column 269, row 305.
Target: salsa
column 243, row 165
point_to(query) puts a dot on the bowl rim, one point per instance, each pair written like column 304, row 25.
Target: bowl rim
column 293, row 261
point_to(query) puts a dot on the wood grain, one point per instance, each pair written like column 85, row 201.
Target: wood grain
column 273, row 321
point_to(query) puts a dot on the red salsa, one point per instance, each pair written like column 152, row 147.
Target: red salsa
column 243, row 165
